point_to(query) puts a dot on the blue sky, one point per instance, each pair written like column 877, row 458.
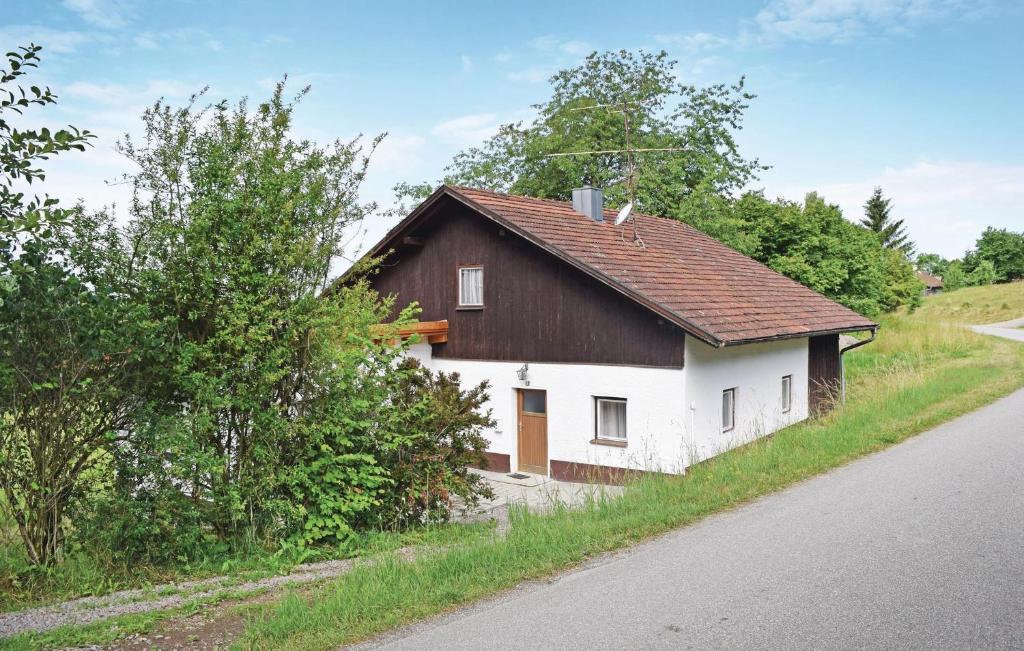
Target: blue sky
column 922, row 97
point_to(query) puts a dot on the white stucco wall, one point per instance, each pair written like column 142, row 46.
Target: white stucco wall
column 673, row 415
column 654, row 414
column 755, row 371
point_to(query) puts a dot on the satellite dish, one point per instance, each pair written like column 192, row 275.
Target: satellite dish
column 624, row 214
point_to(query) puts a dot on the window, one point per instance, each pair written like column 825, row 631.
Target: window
column 611, row 418
column 471, row 286
column 728, row 409
column 534, row 402
column 787, row 393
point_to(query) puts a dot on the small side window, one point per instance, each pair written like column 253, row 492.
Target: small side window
column 611, row 418
column 728, row 409
column 471, row 286
column 787, row 393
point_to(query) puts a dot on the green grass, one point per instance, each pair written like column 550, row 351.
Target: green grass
column 113, row 629
column 83, row 574
column 921, row 371
column 977, row 305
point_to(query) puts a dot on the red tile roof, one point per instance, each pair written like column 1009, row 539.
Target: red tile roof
column 930, row 281
column 708, row 289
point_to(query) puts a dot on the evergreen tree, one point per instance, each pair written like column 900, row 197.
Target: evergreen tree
column 877, row 218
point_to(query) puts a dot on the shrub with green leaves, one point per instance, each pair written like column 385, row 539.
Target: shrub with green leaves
column 278, row 414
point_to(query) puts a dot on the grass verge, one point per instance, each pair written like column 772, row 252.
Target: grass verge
column 115, row 628
column 84, row 574
column 920, row 373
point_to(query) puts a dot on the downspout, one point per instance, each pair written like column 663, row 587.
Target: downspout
column 842, row 366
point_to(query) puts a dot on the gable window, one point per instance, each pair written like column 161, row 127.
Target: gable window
column 728, row 409
column 787, row 393
column 471, row 286
column 611, row 419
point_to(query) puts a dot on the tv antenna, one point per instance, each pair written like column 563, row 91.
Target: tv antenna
column 631, row 159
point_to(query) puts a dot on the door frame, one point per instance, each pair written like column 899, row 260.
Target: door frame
column 519, row 432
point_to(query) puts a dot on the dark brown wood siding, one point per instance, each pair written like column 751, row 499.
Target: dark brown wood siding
column 536, row 308
column 822, row 373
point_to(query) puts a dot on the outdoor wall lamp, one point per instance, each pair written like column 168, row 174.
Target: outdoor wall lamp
column 524, row 374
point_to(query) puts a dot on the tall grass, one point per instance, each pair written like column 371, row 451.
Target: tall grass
column 84, row 572
column 918, row 374
column 976, row 305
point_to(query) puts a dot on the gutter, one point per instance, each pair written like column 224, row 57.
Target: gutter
column 842, row 366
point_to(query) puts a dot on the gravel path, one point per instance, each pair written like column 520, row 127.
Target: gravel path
column 86, row 610
column 91, row 609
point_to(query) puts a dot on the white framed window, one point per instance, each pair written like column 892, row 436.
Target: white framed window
column 728, row 409
column 610, row 422
column 471, row 286
column 787, row 393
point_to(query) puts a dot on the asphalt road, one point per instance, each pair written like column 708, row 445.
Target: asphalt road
column 918, row 547
column 1013, row 329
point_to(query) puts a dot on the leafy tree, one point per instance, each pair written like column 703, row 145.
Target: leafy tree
column 587, row 111
column 66, row 368
column 234, row 228
column 955, row 277
column 23, row 150
column 932, row 263
column 814, row 245
column 902, row 286
column 983, row 274
column 72, row 357
column 877, row 218
column 1004, row 249
column 287, row 417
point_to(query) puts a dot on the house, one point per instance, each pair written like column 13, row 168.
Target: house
column 641, row 346
column 932, row 284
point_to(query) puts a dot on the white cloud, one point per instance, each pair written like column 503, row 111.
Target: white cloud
column 120, row 95
column 146, row 42
column 544, row 43
column 297, row 81
column 945, row 205
column 533, row 74
column 52, row 40
column 503, row 57
column 576, row 48
column 106, row 14
column 467, row 129
column 551, row 43
column 183, row 37
column 397, row 155
column 467, row 64
column 840, row 21
column 696, row 42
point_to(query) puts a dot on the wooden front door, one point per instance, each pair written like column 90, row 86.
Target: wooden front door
column 533, row 431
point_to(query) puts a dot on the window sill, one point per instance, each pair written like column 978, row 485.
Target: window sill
column 615, row 443
column 469, row 308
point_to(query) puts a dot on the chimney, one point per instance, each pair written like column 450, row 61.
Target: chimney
column 589, row 201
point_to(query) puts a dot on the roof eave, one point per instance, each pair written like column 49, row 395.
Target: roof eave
column 800, row 335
